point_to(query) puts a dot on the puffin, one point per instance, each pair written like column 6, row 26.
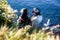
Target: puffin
column 24, row 19
column 36, row 18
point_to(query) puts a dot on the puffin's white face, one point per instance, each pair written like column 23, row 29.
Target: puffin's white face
column 22, row 10
column 35, row 10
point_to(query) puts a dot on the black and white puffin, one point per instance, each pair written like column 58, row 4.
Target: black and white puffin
column 24, row 19
column 37, row 17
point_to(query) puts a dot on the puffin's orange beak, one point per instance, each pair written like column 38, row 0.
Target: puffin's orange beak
column 32, row 11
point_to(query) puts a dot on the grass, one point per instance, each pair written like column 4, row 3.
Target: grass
column 21, row 34
column 26, row 33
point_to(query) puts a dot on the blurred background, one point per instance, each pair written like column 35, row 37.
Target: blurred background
column 50, row 9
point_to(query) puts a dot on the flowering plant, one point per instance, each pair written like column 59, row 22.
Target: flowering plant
column 7, row 14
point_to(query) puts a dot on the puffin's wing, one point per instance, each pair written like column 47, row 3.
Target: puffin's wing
column 33, row 18
column 39, row 19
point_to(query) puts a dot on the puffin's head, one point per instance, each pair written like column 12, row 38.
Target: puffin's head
column 23, row 11
column 36, row 11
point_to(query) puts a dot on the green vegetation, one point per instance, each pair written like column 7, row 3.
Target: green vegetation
column 7, row 14
column 21, row 34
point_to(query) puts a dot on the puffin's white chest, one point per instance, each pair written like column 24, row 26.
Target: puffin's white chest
column 36, row 20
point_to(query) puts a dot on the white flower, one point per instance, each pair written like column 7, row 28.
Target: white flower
column 3, row 15
column 15, row 11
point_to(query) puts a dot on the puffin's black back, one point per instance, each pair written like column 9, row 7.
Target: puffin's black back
column 25, row 20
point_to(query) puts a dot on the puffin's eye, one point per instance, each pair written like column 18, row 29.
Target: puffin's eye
column 36, row 11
